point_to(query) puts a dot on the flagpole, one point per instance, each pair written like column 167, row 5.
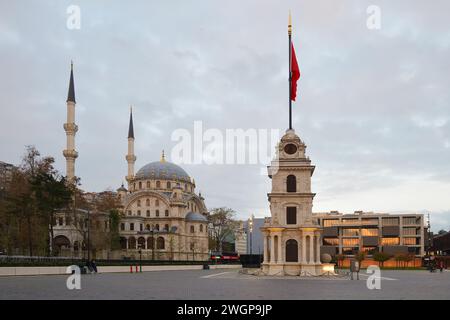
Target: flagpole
column 290, row 72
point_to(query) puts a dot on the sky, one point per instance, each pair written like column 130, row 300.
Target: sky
column 373, row 105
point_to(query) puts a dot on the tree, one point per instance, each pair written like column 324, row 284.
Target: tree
column 222, row 224
column 381, row 258
column 340, row 259
column 399, row 259
column 52, row 193
column 360, row 256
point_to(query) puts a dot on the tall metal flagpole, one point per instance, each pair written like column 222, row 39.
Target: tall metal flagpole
column 290, row 71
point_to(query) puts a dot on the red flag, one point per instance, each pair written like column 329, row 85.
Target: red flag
column 295, row 73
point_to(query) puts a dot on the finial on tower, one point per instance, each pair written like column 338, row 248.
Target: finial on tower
column 163, row 157
column 71, row 94
column 290, row 23
column 130, row 126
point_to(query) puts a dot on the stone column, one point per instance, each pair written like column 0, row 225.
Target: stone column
column 303, row 258
column 272, row 248
column 266, row 249
column 318, row 249
column 280, row 254
column 311, row 249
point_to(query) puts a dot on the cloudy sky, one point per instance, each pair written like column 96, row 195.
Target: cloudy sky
column 373, row 107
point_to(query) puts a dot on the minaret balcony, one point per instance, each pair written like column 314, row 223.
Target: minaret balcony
column 70, row 128
column 70, row 154
column 130, row 157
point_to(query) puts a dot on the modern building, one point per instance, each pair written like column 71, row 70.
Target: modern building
column 441, row 244
column 6, row 172
column 371, row 232
column 255, row 238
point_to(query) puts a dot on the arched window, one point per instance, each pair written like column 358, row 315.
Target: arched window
column 291, row 251
column 201, row 228
column 157, row 227
column 139, row 212
column 140, row 185
column 141, row 243
column 168, row 185
column 158, row 184
column 157, row 213
column 157, row 203
column 132, row 243
column 148, row 184
column 291, row 215
column 160, row 243
column 148, row 213
column 139, row 203
column 192, row 229
column 147, row 202
column 291, row 183
column 166, row 213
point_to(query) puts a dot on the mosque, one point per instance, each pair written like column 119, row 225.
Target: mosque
column 161, row 217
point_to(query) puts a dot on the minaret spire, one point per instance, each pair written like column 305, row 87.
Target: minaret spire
column 130, row 126
column 71, row 129
column 130, row 157
column 71, row 94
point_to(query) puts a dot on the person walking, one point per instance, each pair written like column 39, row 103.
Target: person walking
column 441, row 265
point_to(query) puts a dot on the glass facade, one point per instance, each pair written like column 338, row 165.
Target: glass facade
column 410, row 241
column 330, row 241
column 330, row 222
column 369, row 232
column 391, row 221
column 390, row 241
column 350, row 242
column 350, row 232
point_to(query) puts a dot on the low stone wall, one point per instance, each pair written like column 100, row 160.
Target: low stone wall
column 33, row 271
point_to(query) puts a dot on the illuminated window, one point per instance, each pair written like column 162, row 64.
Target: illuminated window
column 369, row 232
column 350, row 242
column 350, row 232
column 409, row 241
column 330, row 222
column 390, row 241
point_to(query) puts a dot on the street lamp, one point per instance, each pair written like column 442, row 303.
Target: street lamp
column 250, row 224
column 140, row 257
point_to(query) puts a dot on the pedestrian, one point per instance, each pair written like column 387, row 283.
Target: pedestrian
column 94, row 266
column 441, row 265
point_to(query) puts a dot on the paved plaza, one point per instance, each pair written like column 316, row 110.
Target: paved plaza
column 226, row 284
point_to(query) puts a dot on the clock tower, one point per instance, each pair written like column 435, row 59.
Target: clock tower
column 291, row 235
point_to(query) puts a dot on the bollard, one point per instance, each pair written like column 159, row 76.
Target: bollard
column 131, row 269
column 140, row 268
column 136, row 268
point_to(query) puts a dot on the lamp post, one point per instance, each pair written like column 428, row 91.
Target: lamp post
column 89, row 235
column 152, row 231
column 250, row 224
column 140, row 257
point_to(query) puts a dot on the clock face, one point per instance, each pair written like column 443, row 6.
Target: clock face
column 290, row 148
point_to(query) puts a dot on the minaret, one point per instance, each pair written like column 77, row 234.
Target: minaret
column 71, row 129
column 130, row 157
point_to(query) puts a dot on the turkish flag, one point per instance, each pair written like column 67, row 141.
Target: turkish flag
column 295, row 73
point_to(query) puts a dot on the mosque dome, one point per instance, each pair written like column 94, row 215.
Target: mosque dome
column 163, row 170
column 194, row 216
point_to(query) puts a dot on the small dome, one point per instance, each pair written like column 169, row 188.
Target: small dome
column 162, row 170
column 194, row 216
